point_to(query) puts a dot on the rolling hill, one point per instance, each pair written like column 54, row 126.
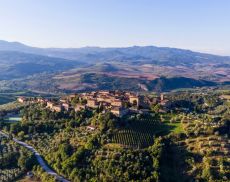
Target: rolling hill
column 150, row 54
column 148, row 68
column 19, row 64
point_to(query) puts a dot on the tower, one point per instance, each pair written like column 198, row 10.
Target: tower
column 162, row 97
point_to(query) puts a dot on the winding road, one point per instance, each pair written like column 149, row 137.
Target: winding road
column 40, row 160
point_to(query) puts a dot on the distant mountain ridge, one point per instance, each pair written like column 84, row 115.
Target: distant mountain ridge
column 142, row 64
column 16, row 46
column 101, row 54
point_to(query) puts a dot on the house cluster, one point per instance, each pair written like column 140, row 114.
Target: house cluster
column 52, row 105
column 22, row 99
column 118, row 102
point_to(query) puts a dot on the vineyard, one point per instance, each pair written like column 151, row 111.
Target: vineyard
column 138, row 134
column 9, row 170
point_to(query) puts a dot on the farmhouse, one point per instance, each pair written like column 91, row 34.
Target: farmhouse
column 91, row 128
column 21, row 99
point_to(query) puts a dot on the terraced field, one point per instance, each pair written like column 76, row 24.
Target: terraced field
column 211, row 153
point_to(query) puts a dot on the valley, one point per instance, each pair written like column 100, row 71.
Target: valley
column 113, row 114
column 54, row 70
column 114, row 91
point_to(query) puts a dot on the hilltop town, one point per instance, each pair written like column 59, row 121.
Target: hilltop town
column 115, row 91
column 117, row 102
column 84, row 132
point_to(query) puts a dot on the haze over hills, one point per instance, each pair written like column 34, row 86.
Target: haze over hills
column 154, row 53
column 20, row 64
column 68, row 67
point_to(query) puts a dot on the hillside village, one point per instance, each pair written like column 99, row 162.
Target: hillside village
column 194, row 123
column 117, row 102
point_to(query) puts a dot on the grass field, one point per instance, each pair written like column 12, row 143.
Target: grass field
column 173, row 127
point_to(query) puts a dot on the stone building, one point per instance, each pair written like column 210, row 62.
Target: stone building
column 57, row 108
column 79, row 107
column 117, row 102
column 21, row 99
column 92, row 103
column 119, row 111
column 134, row 99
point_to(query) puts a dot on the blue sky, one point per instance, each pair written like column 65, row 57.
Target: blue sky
column 202, row 25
